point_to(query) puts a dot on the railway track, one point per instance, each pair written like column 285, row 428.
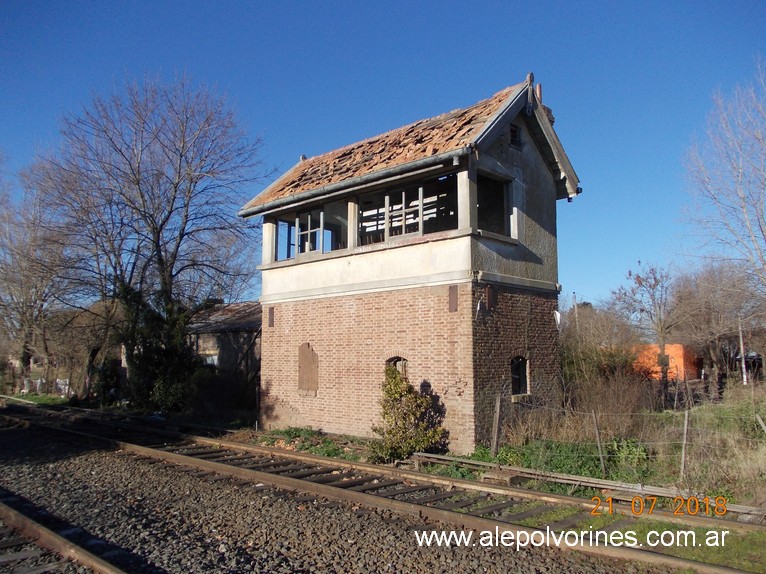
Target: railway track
column 465, row 504
column 28, row 546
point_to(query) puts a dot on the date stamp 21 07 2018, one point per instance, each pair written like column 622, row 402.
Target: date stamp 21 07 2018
column 644, row 505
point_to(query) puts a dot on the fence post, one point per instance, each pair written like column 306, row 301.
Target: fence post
column 683, row 445
column 760, row 422
column 496, row 425
column 598, row 442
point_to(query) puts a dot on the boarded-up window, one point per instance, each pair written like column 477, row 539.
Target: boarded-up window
column 308, row 370
column 452, row 298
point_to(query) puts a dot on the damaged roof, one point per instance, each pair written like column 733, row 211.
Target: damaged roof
column 431, row 140
column 425, row 138
column 227, row 318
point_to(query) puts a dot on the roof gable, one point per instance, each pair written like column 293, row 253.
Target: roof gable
column 433, row 139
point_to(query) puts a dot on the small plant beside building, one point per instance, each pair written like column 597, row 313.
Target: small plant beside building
column 410, row 423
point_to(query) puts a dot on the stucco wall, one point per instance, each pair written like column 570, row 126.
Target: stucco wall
column 535, row 256
column 420, row 260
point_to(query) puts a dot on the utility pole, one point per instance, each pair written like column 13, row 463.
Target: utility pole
column 742, row 351
column 577, row 317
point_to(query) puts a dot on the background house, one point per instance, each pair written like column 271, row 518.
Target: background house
column 683, row 363
column 432, row 247
column 228, row 337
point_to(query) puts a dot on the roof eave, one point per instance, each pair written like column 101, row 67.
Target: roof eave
column 569, row 182
column 353, row 183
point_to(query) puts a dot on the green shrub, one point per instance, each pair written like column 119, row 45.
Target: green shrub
column 567, row 458
column 627, row 460
column 409, row 421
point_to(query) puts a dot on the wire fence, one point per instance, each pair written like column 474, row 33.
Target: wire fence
column 713, row 445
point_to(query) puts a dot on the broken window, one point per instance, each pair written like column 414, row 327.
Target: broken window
column 285, row 240
column 335, row 229
column 399, row 363
column 320, row 230
column 519, row 376
column 492, row 206
column 515, row 136
column 413, row 210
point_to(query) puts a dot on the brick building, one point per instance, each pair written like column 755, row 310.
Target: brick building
column 433, row 247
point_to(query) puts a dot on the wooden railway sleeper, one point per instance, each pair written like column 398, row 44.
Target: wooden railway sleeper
column 436, row 497
column 310, row 472
column 495, row 508
column 462, row 503
column 331, row 477
column 393, row 493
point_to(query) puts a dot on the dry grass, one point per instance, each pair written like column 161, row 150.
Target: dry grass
column 725, row 448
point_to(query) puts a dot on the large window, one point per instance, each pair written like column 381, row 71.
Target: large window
column 494, row 208
column 320, row 230
column 411, row 210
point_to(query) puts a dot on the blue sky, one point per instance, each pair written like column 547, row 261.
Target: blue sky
column 630, row 84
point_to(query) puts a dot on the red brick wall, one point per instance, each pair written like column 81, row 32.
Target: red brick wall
column 354, row 335
column 521, row 323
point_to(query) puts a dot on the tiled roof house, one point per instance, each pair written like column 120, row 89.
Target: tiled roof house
column 432, row 246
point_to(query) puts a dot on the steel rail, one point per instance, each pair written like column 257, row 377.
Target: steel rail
column 46, row 538
column 617, row 486
column 470, row 485
column 432, row 513
column 383, row 500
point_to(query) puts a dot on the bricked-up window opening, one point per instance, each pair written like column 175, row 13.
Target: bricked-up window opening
column 320, row 230
column 399, row 363
column 410, row 210
column 493, row 206
column 308, row 370
column 452, row 298
column 519, row 376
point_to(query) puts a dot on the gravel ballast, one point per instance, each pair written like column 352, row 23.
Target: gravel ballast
column 180, row 523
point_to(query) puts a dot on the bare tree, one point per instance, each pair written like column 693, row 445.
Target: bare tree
column 143, row 194
column 29, row 282
column 598, row 348
column 715, row 302
column 728, row 174
column 648, row 301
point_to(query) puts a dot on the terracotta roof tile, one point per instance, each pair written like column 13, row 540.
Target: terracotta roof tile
column 422, row 139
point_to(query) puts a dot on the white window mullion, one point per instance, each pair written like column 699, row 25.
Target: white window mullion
column 321, row 232
column 386, row 221
column 420, row 210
